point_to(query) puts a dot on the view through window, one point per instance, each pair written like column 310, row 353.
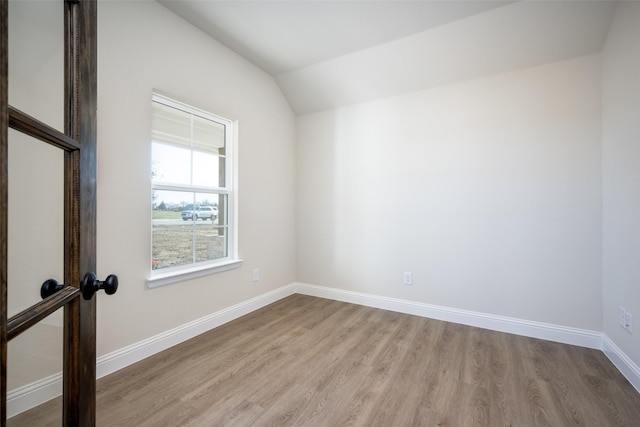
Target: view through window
column 191, row 191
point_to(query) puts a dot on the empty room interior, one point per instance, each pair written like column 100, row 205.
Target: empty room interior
column 420, row 213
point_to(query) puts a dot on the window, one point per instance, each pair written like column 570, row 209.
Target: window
column 192, row 192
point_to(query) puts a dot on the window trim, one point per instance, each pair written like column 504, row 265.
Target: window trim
column 176, row 274
column 173, row 275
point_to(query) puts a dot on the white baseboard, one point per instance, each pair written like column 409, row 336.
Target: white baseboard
column 546, row 331
column 629, row 369
column 134, row 353
column 29, row 396
column 580, row 337
column 34, row 394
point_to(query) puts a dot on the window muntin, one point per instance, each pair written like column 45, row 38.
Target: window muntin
column 192, row 194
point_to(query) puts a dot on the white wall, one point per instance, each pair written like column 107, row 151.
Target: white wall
column 621, row 177
column 142, row 46
column 488, row 191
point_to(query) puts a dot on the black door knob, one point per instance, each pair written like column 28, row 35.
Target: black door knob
column 50, row 287
column 90, row 285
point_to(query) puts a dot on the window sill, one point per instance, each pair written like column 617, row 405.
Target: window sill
column 157, row 280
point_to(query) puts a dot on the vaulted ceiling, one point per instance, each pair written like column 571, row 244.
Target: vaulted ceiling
column 327, row 54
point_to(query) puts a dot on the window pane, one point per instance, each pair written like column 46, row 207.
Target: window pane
column 171, row 126
column 187, row 149
column 188, row 228
column 207, row 135
column 172, row 246
column 170, row 163
column 206, row 169
column 214, row 238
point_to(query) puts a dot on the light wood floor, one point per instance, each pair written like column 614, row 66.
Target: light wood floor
column 306, row 361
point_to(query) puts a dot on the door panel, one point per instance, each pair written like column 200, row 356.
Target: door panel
column 35, row 219
column 35, row 360
column 36, row 60
column 36, row 354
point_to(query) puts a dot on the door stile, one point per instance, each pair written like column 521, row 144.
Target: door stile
column 79, row 377
column 4, row 170
column 71, row 361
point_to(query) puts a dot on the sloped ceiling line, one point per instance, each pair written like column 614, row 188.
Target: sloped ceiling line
column 328, row 54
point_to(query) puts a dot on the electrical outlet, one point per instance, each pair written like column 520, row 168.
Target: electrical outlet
column 407, row 278
column 628, row 322
column 622, row 317
column 256, row 274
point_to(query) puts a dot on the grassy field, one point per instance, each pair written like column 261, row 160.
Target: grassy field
column 175, row 245
column 166, row 215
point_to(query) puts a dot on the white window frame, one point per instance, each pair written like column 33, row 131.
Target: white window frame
column 182, row 273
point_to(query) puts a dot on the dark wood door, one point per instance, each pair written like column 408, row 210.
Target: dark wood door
column 78, row 144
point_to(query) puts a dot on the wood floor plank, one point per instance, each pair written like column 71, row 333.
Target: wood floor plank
column 306, row 361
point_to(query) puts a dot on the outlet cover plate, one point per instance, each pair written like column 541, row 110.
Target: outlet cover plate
column 407, row 278
column 628, row 322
